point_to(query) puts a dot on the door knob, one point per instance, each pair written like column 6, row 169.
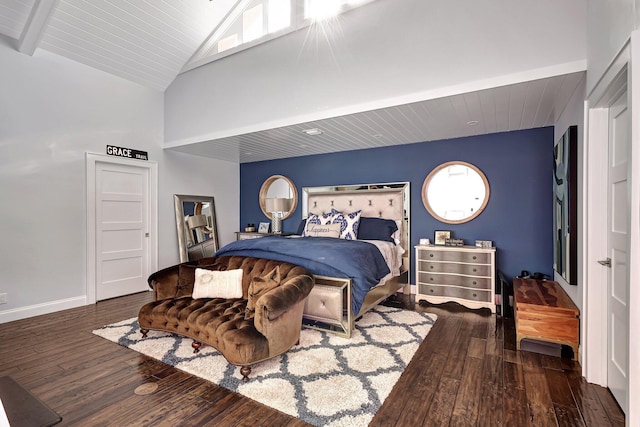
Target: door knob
column 605, row 262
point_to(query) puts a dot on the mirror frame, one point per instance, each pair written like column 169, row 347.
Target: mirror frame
column 265, row 189
column 437, row 169
column 181, row 227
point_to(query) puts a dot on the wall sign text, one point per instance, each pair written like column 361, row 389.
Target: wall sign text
column 129, row 153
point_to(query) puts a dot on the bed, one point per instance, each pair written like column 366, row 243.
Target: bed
column 352, row 276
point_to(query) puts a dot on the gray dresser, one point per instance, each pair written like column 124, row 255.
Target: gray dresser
column 465, row 274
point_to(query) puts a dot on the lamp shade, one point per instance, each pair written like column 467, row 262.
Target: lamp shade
column 278, row 204
column 196, row 221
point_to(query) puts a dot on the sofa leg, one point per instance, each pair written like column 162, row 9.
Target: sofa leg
column 196, row 346
column 144, row 332
column 245, row 371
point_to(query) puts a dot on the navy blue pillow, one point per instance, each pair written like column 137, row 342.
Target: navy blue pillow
column 303, row 223
column 376, row 229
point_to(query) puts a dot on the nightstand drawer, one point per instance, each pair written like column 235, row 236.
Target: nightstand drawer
column 452, row 267
column 446, row 279
column 468, row 257
column 454, row 292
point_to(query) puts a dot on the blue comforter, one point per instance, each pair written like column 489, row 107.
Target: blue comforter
column 324, row 256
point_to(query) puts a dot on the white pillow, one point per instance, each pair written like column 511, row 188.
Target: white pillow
column 322, row 230
column 217, row 284
column 325, row 218
column 349, row 223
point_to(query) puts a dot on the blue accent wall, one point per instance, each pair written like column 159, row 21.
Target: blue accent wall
column 519, row 167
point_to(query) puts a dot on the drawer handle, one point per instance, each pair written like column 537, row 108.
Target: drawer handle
column 431, row 279
column 475, row 283
column 431, row 255
column 475, row 257
column 431, row 290
column 431, row 267
column 475, row 295
column 475, row 269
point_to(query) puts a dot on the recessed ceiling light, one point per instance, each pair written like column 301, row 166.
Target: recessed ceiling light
column 472, row 122
column 377, row 135
column 312, row 131
column 303, row 145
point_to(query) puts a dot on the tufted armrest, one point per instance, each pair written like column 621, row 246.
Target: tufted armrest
column 164, row 282
column 278, row 301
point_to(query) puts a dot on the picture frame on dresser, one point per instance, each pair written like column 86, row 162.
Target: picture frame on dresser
column 263, row 228
column 440, row 236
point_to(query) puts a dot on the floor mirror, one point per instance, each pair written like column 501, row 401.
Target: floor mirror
column 196, row 225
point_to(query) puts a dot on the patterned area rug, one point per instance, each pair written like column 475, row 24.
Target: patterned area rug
column 326, row 380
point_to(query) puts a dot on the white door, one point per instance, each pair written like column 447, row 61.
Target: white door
column 122, row 229
column 618, row 244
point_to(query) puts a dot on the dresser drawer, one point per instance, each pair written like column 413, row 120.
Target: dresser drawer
column 445, row 279
column 456, row 256
column 452, row 267
column 454, row 292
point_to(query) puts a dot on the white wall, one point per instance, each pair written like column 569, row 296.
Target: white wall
column 573, row 114
column 198, row 176
column 386, row 52
column 52, row 111
column 608, row 28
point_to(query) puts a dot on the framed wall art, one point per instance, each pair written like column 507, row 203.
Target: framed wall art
column 565, row 205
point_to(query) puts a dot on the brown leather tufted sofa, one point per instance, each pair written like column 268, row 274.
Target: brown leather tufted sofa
column 242, row 337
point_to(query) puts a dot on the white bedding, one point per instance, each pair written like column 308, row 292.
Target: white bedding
column 392, row 254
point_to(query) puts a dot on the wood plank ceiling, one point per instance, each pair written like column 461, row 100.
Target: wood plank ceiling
column 149, row 42
column 525, row 105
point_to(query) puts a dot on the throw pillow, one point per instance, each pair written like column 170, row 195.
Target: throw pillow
column 318, row 230
column 321, row 219
column 259, row 286
column 349, row 224
column 377, row 229
column 187, row 277
column 301, row 227
column 217, row 284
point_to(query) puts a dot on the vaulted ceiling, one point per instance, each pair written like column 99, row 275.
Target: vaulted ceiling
column 150, row 42
column 145, row 42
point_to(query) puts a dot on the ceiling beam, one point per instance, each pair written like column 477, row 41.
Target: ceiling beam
column 35, row 26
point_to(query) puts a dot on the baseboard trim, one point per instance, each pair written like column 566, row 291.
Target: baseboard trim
column 39, row 309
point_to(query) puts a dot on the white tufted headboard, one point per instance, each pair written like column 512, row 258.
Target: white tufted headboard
column 387, row 200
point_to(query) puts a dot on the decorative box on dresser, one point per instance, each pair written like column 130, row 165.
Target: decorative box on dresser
column 464, row 274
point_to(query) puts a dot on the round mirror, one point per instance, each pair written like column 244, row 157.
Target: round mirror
column 280, row 191
column 455, row 192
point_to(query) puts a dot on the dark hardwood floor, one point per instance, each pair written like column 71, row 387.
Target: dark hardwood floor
column 467, row 372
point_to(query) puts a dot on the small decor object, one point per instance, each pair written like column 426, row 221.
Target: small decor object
column 441, row 236
column 263, row 228
column 250, row 228
column 425, row 242
column 484, row 243
column 454, row 242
